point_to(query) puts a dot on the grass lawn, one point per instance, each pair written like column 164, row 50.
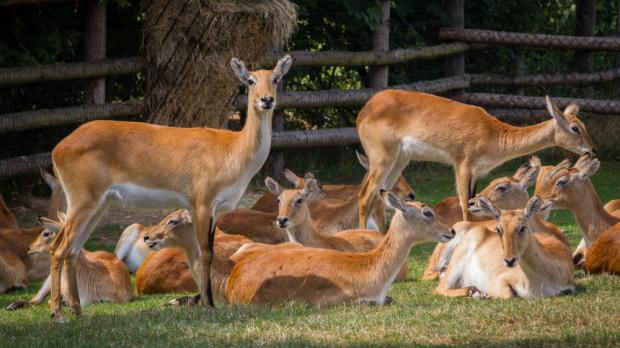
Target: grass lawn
column 591, row 317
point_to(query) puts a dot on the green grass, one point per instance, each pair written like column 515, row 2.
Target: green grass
column 591, row 317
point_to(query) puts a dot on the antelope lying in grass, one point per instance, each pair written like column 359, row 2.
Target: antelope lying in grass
column 16, row 266
column 101, row 276
column 570, row 188
column 396, row 127
column 294, row 217
column 169, row 269
column 267, row 203
column 132, row 248
column 523, row 257
column 322, row 276
column 505, row 193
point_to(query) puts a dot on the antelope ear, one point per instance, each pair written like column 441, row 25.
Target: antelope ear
column 309, row 186
column 529, row 178
column 588, row 169
column 362, row 159
column 533, row 206
column 50, row 224
column 240, row 70
column 583, row 160
column 487, row 208
column 272, row 186
column 187, row 215
column 557, row 114
column 282, row 68
column 571, row 109
column 535, row 161
column 291, row 176
column 49, row 179
column 394, row 201
column 308, row 175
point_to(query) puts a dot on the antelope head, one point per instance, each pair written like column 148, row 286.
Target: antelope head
column 569, row 132
column 262, row 84
column 293, row 207
column 513, row 227
column 50, row 229
column 175, row 230
column 507, row 192
column 566, row 186
column 416, row 219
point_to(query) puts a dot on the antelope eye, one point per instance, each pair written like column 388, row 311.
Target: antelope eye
column 46, row 234
column 278, row 200
column 575, row 129
column 501, row 188
column 173, row 222
column 561, row 183
column 251, row 81
column 428, row 213
column 522, row 229
column 299, row 201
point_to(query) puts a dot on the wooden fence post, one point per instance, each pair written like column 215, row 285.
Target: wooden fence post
column 584, row 26
column 381, row 42
column 95, row 48
column 455, row 65
column 616, row 87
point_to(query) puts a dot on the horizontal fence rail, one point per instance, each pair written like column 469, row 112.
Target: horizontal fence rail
column 544, row 79
column 24, row 164
column 70, row 115
column 396, row 56
column 292, row 100
column 532, row 40
column 70, row 71
column 523, row 102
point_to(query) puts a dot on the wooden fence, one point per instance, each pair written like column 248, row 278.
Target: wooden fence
column 379, row 58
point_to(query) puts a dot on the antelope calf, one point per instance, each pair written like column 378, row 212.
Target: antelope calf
column 321, row 276
column 570, row 188
column 101, row 276
column 523, row 257
column 505, row 193
column 166, row 270
column 396, row 127
column 202, row 169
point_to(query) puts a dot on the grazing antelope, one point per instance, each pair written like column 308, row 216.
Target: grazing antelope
column 523, row 257
column 166, row 270
column 149, row 166
column 322, row 276
column 101, row 276
column 505, row 193
column 396, row 127
column 294, row 217
column 570, row 188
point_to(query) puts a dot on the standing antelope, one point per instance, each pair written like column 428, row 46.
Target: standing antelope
column 570, row 188
column 148, row 166
column 322, row 276
column 101, row 276
column 525, row 256
column 170, row 267
column 505, row 193
column 396, row 127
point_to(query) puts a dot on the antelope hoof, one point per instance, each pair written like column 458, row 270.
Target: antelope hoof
column 59, row 317
column 76, row 310
column 189, row 301
column 474, row 292
column 388, row 301
column 16, row 305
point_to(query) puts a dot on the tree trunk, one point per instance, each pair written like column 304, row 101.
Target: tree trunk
column 381, row 43
column 455, row 65
column 616, row 87
column 95, row 48
column 584, row 26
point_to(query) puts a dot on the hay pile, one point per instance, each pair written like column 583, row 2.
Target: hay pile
column 189, row 44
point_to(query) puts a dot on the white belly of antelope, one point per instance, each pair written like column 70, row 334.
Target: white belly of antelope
column 417, row 149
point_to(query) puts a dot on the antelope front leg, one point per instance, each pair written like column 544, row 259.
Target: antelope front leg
column 58, row 251
column 465, row 184
column 73, row 296
column 205, row 231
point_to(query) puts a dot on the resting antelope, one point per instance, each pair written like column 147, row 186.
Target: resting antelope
column 294, row 217
column 131, row 247
column 167, row 270
column 522, row 255
column 101, row 276
column 505, row 193
column 570, row 188
column 396, row 127
column 148, row 166
column 267, row 202
column 322, row 276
